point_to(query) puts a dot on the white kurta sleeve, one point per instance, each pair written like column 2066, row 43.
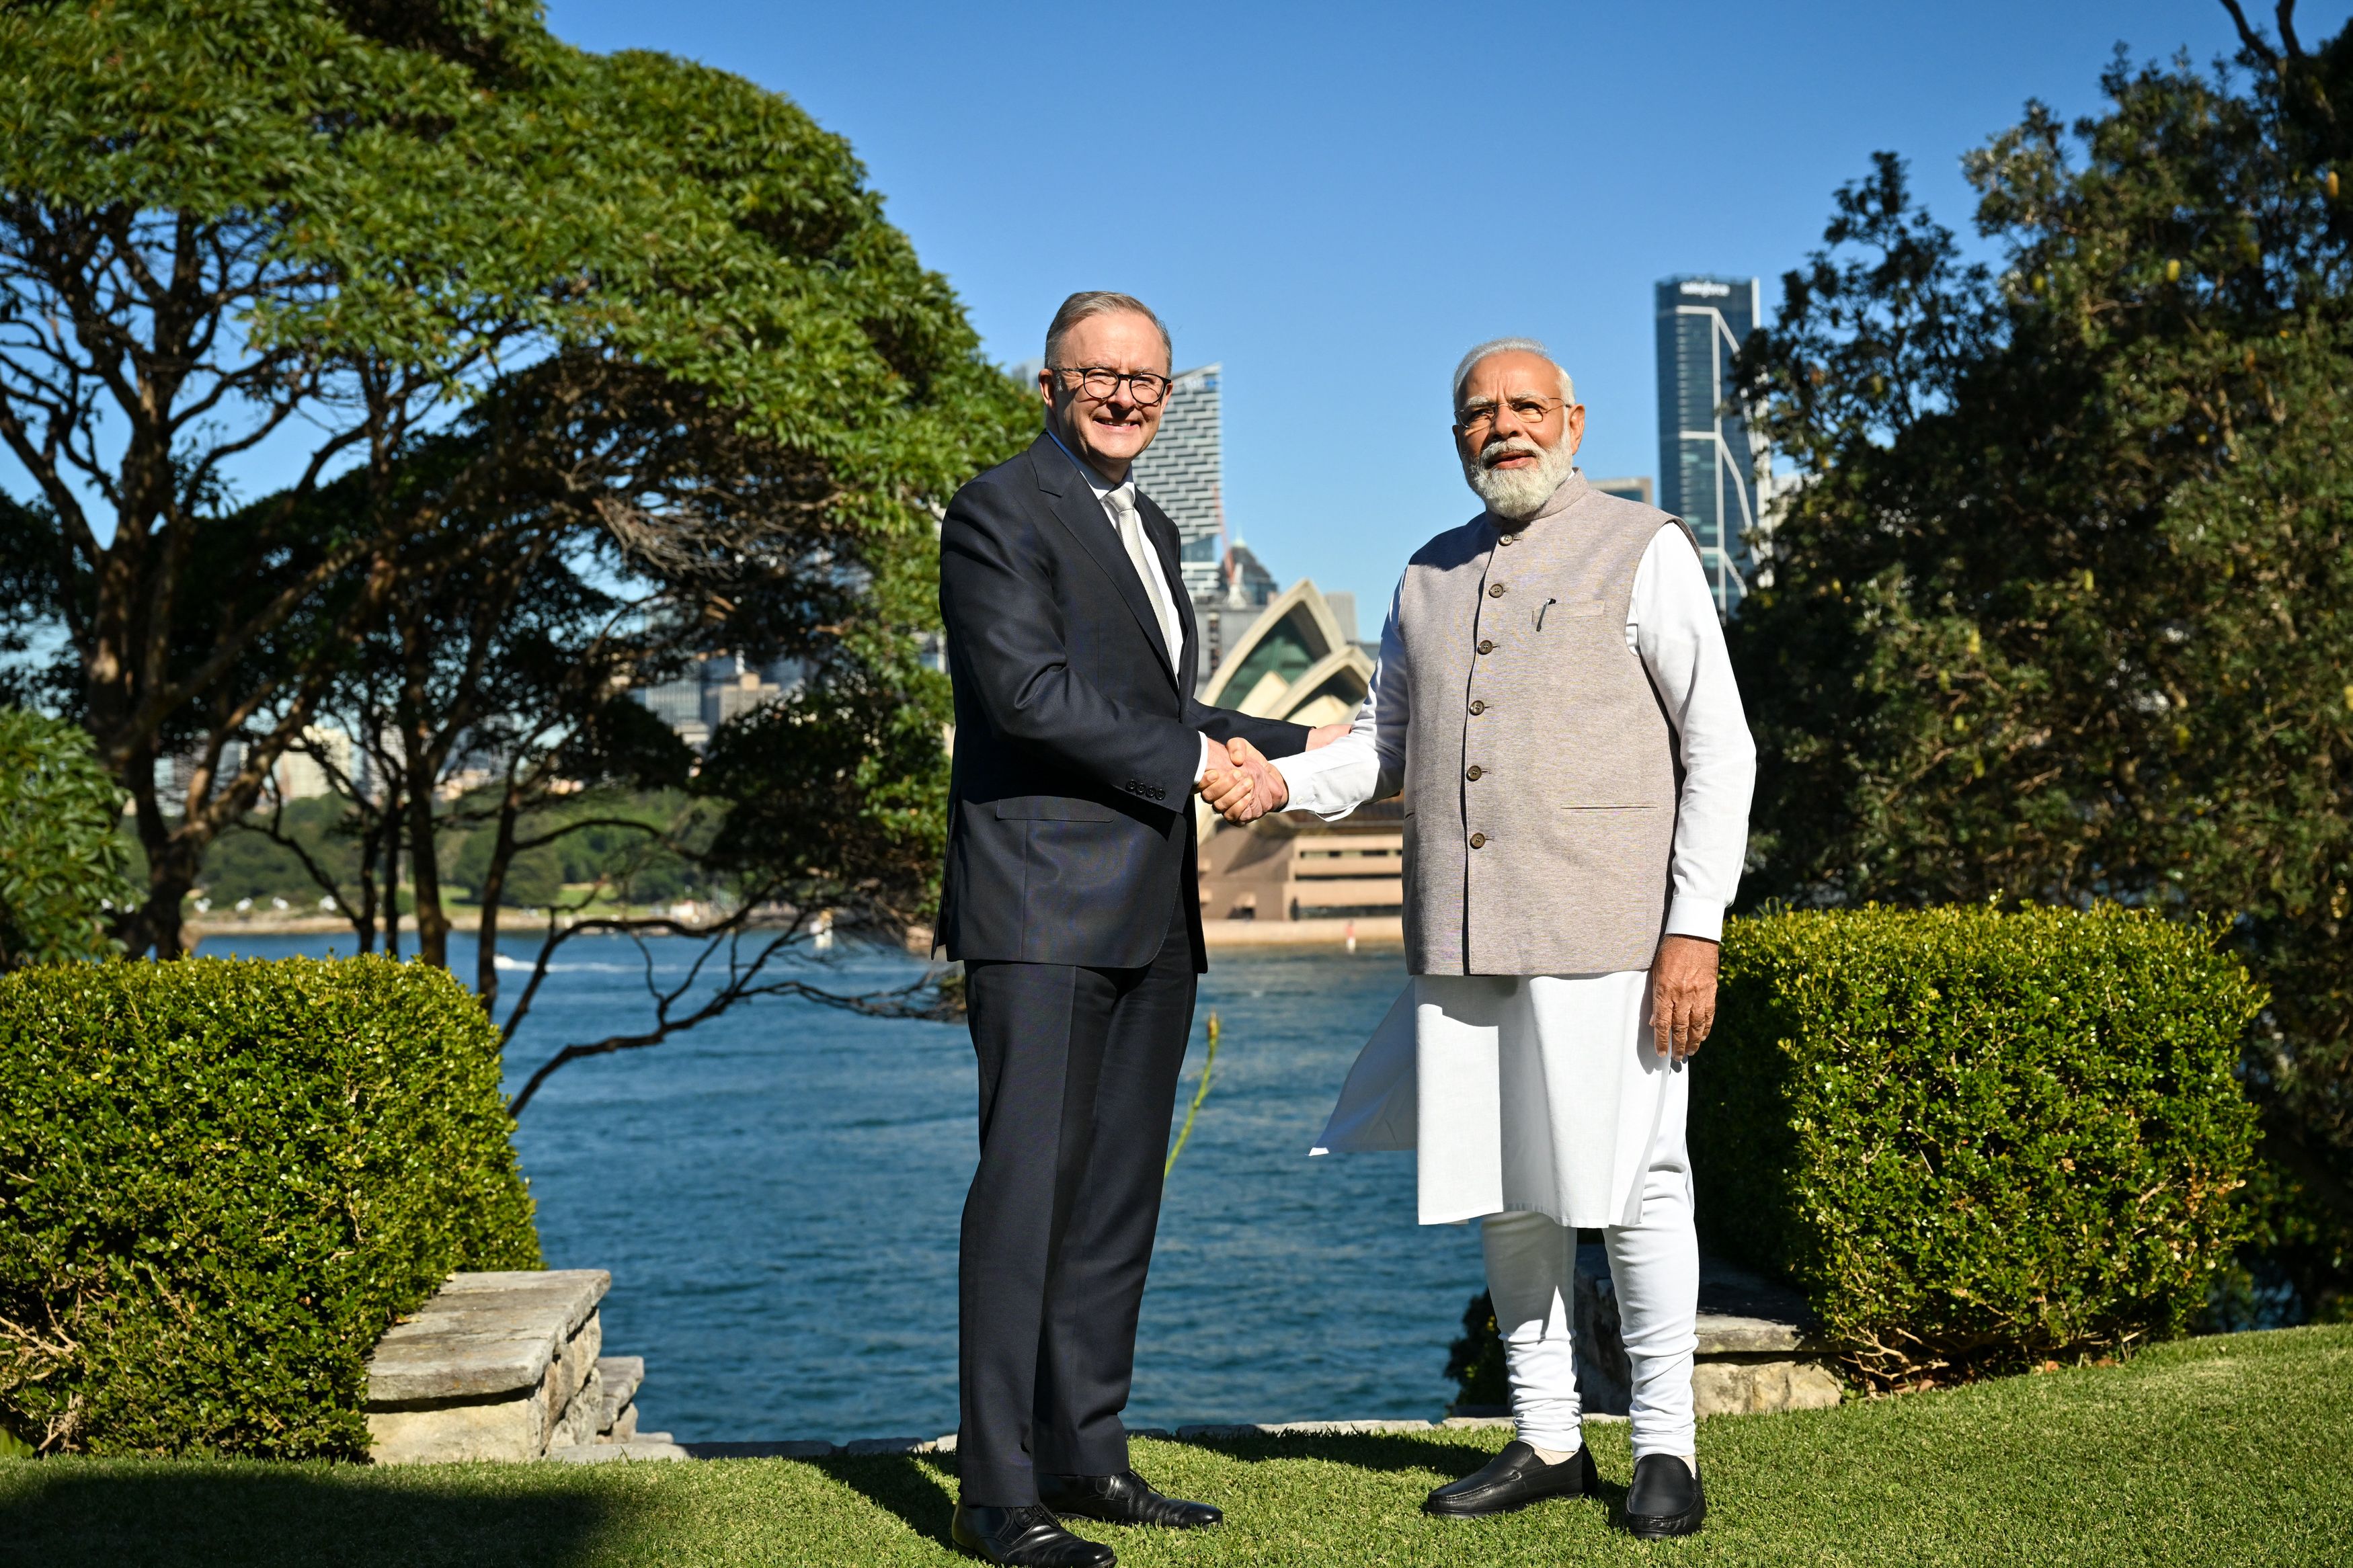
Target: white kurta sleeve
column 1368, row 761
column 1671, row 627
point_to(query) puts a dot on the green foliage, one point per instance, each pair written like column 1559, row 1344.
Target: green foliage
column 1475, row 1361
column 2065, row 609
column 221, row 1181
column 61, row 859
column 535, row 289
column 1976, row 1139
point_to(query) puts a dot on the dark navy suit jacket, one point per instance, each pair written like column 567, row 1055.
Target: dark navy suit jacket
column 1069, row 827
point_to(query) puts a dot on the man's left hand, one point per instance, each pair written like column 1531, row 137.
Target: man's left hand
column 1683, row 995
column 1323, row 735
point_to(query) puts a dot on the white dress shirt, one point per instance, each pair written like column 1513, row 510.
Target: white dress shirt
column 1212, row 753
column 1671, row 627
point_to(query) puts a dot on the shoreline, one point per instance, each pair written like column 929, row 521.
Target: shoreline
column 1376, row 930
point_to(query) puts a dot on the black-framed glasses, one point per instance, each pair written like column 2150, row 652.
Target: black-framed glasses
column 1101, row 382
column 1530, row 409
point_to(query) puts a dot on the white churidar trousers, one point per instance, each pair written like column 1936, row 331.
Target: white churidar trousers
column 1654, row 1268
column 1539, row 1101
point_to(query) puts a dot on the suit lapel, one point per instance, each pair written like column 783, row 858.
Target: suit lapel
column 1074, row 506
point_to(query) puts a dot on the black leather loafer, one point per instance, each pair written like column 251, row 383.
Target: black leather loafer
column 1513, row 1478
column 1665, row 1500
column 1026, row 1536
column 1123, row 1499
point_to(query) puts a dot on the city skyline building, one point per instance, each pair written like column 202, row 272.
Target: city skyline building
column 713, row 689
column 1183, row 472
column 1709, row 463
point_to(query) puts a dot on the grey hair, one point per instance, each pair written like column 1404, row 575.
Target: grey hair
column 1495, row 346
column 1100, row 303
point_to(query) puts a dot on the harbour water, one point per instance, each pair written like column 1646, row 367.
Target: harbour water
column 776, row 1195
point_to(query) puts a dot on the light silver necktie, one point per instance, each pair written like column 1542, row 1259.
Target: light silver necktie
column 1122, row 501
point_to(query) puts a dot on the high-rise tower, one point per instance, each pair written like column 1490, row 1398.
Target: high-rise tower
column 1184, row 470
column 1707, row 464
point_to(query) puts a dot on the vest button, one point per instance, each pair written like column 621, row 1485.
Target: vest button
column 1478, row 841
column 1494, row 590
column 1511, row 539
column 1486, row 646
column 1478, row 707
column 1472, row 772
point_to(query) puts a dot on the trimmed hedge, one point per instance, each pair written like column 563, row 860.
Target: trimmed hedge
column 221, row 1181
column 1976, row 1140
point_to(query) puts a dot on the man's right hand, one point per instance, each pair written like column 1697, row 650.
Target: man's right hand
column 1228, row 790
column 1249, row 789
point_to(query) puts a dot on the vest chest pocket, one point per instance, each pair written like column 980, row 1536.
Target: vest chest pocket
column 1556, row 611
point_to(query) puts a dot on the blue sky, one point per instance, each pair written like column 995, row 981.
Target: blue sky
column 1334, row 201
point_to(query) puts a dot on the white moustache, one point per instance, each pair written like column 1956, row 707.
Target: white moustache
column 1495, row 451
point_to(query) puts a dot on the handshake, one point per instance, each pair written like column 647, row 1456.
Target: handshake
column 1251, row 786
column 1248, row 789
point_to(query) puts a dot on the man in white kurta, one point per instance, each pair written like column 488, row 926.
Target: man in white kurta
column 1545, row 1101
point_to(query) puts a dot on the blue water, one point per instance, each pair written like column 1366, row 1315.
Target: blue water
column 776, row 1195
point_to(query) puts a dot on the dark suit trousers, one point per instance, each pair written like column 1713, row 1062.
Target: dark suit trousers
column 1078, row 1081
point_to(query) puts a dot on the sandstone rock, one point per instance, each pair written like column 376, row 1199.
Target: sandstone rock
column 618, row 1375
column 1758, row 1350
column 495, row 1366
column 484, row 1333
column 638, row 1448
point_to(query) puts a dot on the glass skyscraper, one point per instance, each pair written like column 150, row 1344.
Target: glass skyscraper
column 1707, row 467
column 1183, row 469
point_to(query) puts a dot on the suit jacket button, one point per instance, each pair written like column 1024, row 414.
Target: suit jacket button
column 1478, row 707
column 1478, row 841
column 1486, row 646
column 1494, row 590
column 1473, row 772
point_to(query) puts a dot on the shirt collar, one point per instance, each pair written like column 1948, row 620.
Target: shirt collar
column 1103, row 487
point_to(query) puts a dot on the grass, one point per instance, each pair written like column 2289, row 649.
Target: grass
column 2228, row 1450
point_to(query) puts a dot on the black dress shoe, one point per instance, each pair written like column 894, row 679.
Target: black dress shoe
column 1513, row 1478
column 1029, row 1537
column 1123, row 1499
column 1665, row 1500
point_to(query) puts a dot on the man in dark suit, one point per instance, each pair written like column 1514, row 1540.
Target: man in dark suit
column 1070, row 897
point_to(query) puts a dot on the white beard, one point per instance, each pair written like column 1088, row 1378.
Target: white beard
column 1517, row 494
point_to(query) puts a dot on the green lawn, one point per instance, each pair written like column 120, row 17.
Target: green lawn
column 2236, row 1450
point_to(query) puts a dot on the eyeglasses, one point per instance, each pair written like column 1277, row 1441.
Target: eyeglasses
column 1530, row 410
column 1103, row 383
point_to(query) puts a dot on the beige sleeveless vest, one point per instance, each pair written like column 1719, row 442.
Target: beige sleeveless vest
column 1541, row 779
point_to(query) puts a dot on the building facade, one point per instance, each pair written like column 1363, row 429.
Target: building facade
column 1184, row 470
column 713, row 689
column 1709, row 465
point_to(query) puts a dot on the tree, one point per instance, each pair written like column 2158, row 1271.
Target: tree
column 654, row 533
column 316, row 232
column 2063, row 608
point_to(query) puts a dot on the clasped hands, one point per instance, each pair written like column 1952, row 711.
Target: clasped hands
column 1247, row 790
column 1253, row 786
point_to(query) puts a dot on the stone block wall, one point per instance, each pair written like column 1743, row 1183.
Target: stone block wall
column 504, row 1365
